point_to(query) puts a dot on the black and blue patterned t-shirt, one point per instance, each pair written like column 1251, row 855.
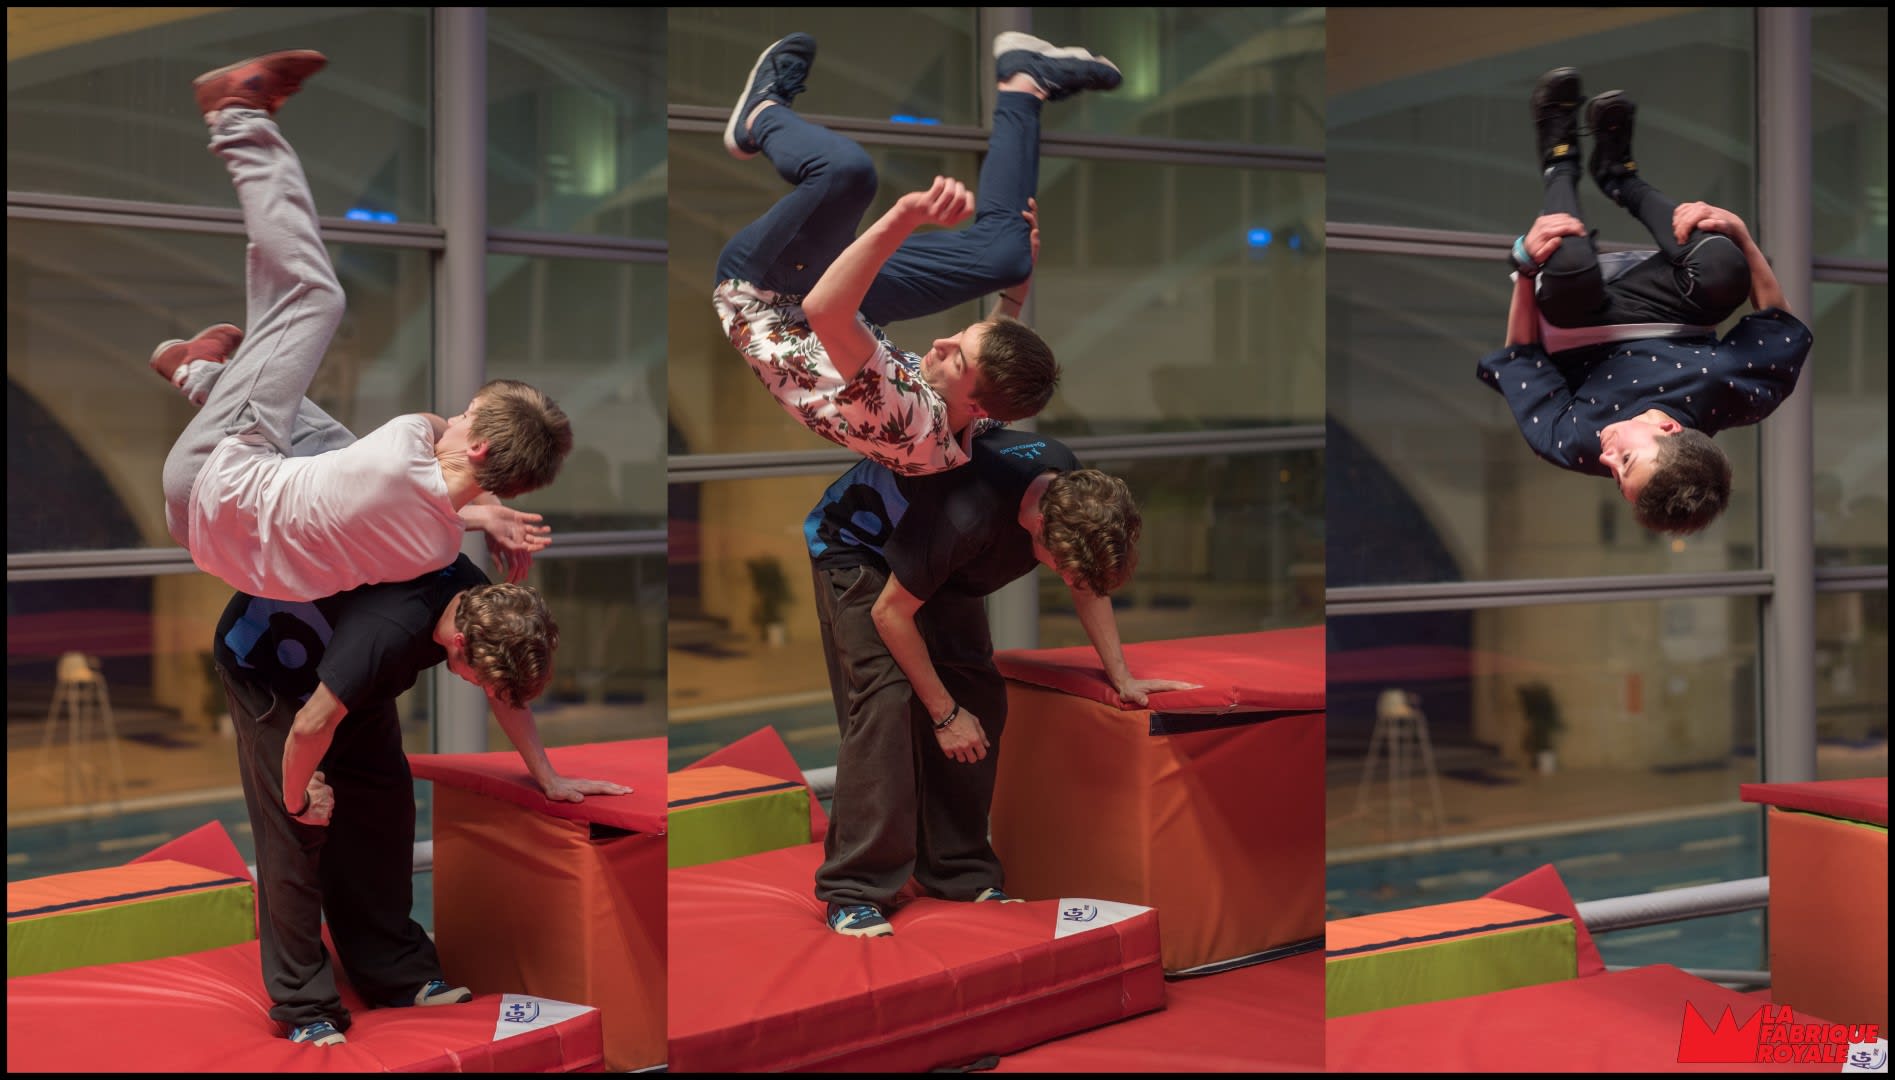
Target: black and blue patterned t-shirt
column 957, row 530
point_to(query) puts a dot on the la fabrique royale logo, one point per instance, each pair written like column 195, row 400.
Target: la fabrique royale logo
column 1771, row 1035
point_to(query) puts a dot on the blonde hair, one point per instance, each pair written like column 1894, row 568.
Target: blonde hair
column 511, row 637
column 1090, row 526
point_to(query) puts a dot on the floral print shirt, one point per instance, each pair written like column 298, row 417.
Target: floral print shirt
column 887, row 413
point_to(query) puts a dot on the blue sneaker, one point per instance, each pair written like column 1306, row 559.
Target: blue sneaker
column 858, row 920
column 438, row 992
column 321, row 1033
column 778, row 76
column 995, row 896
column 1060, row 72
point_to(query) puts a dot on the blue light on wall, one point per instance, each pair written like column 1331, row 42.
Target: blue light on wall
column 1296, row 242
column 361, row 213
column 1260, row 238
column 904, row 118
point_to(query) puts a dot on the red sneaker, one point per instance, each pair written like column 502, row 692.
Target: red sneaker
column 214, row 343
column 261, row 82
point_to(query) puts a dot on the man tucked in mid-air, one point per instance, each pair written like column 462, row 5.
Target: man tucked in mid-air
column 804, row 299
column 1624, row 375
column 266, row 490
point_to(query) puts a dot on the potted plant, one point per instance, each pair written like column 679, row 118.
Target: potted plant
column 772, row 591
column 1543, row 724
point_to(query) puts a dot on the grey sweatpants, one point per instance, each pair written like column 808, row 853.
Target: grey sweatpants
column 293, row 306
column 902, row 806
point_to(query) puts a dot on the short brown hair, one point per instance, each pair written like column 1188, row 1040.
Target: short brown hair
column 1689, row 487
column 527, row 437
column 1017, row 371
column 1090, row 526
column 511, row 637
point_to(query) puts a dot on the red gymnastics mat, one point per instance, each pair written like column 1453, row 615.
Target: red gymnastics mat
column 760, row 983
column 1261, row 1018
column 208, row 1012
column 1864, row 800
column 1205, row 804
column 1624, row 1021
column 1271, row 671
column 563, row 900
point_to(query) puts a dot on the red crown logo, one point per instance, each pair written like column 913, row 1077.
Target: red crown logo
column 1698, row 1043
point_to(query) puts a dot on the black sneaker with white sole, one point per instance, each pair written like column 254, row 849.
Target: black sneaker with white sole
column 777, row 76
column 1061, row 72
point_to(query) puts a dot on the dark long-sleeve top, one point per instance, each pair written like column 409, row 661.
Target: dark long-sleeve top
column 1563, row 400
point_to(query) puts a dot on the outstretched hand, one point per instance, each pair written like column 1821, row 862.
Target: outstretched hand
column 575, row 789
column 1548, row 231
column 1702, row 215
column 948, row 202
column 512, row 538
column 1137, row 693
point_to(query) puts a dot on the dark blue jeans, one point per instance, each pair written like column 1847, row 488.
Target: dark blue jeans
column 1699, row 282
column 789, row 247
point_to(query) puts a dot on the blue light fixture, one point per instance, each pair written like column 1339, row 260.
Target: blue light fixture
column 1260, row 238
column 904, row 118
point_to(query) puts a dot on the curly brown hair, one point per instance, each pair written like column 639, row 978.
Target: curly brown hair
column 511, row 637
column 527, row 437
column 1090, row 526
column 1017, row 372
column 1689, row 487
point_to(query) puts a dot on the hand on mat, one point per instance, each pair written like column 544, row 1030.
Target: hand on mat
column 1702, row 215
column 575, row 789
column 1136, row 693
column 512, row 538
column 1543, row 239
column 322, row 802
column 964, row 740
column 948, row 202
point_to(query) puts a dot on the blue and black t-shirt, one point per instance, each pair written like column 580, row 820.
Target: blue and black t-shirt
column 367, row 645
column 957, row 530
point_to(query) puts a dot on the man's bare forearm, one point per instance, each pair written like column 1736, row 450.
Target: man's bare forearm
column 1523, row 314
column 1765, row 291
column 1102, row 629
column 310, row 735
column 523, row 731
column 905, row 644
column 831, row 306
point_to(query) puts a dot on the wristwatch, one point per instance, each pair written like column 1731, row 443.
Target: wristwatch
column 1522, row 262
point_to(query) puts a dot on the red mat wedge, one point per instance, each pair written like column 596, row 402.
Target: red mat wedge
column 760, row 983
column 208, row 1012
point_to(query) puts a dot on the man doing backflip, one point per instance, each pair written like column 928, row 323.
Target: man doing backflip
column 803, row 298
column 1631, row 380
column 267, row 491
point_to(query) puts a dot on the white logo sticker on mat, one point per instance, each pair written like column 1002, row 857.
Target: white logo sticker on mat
column 1076, row 916
column 520, row 1014
column 1867, row 1057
